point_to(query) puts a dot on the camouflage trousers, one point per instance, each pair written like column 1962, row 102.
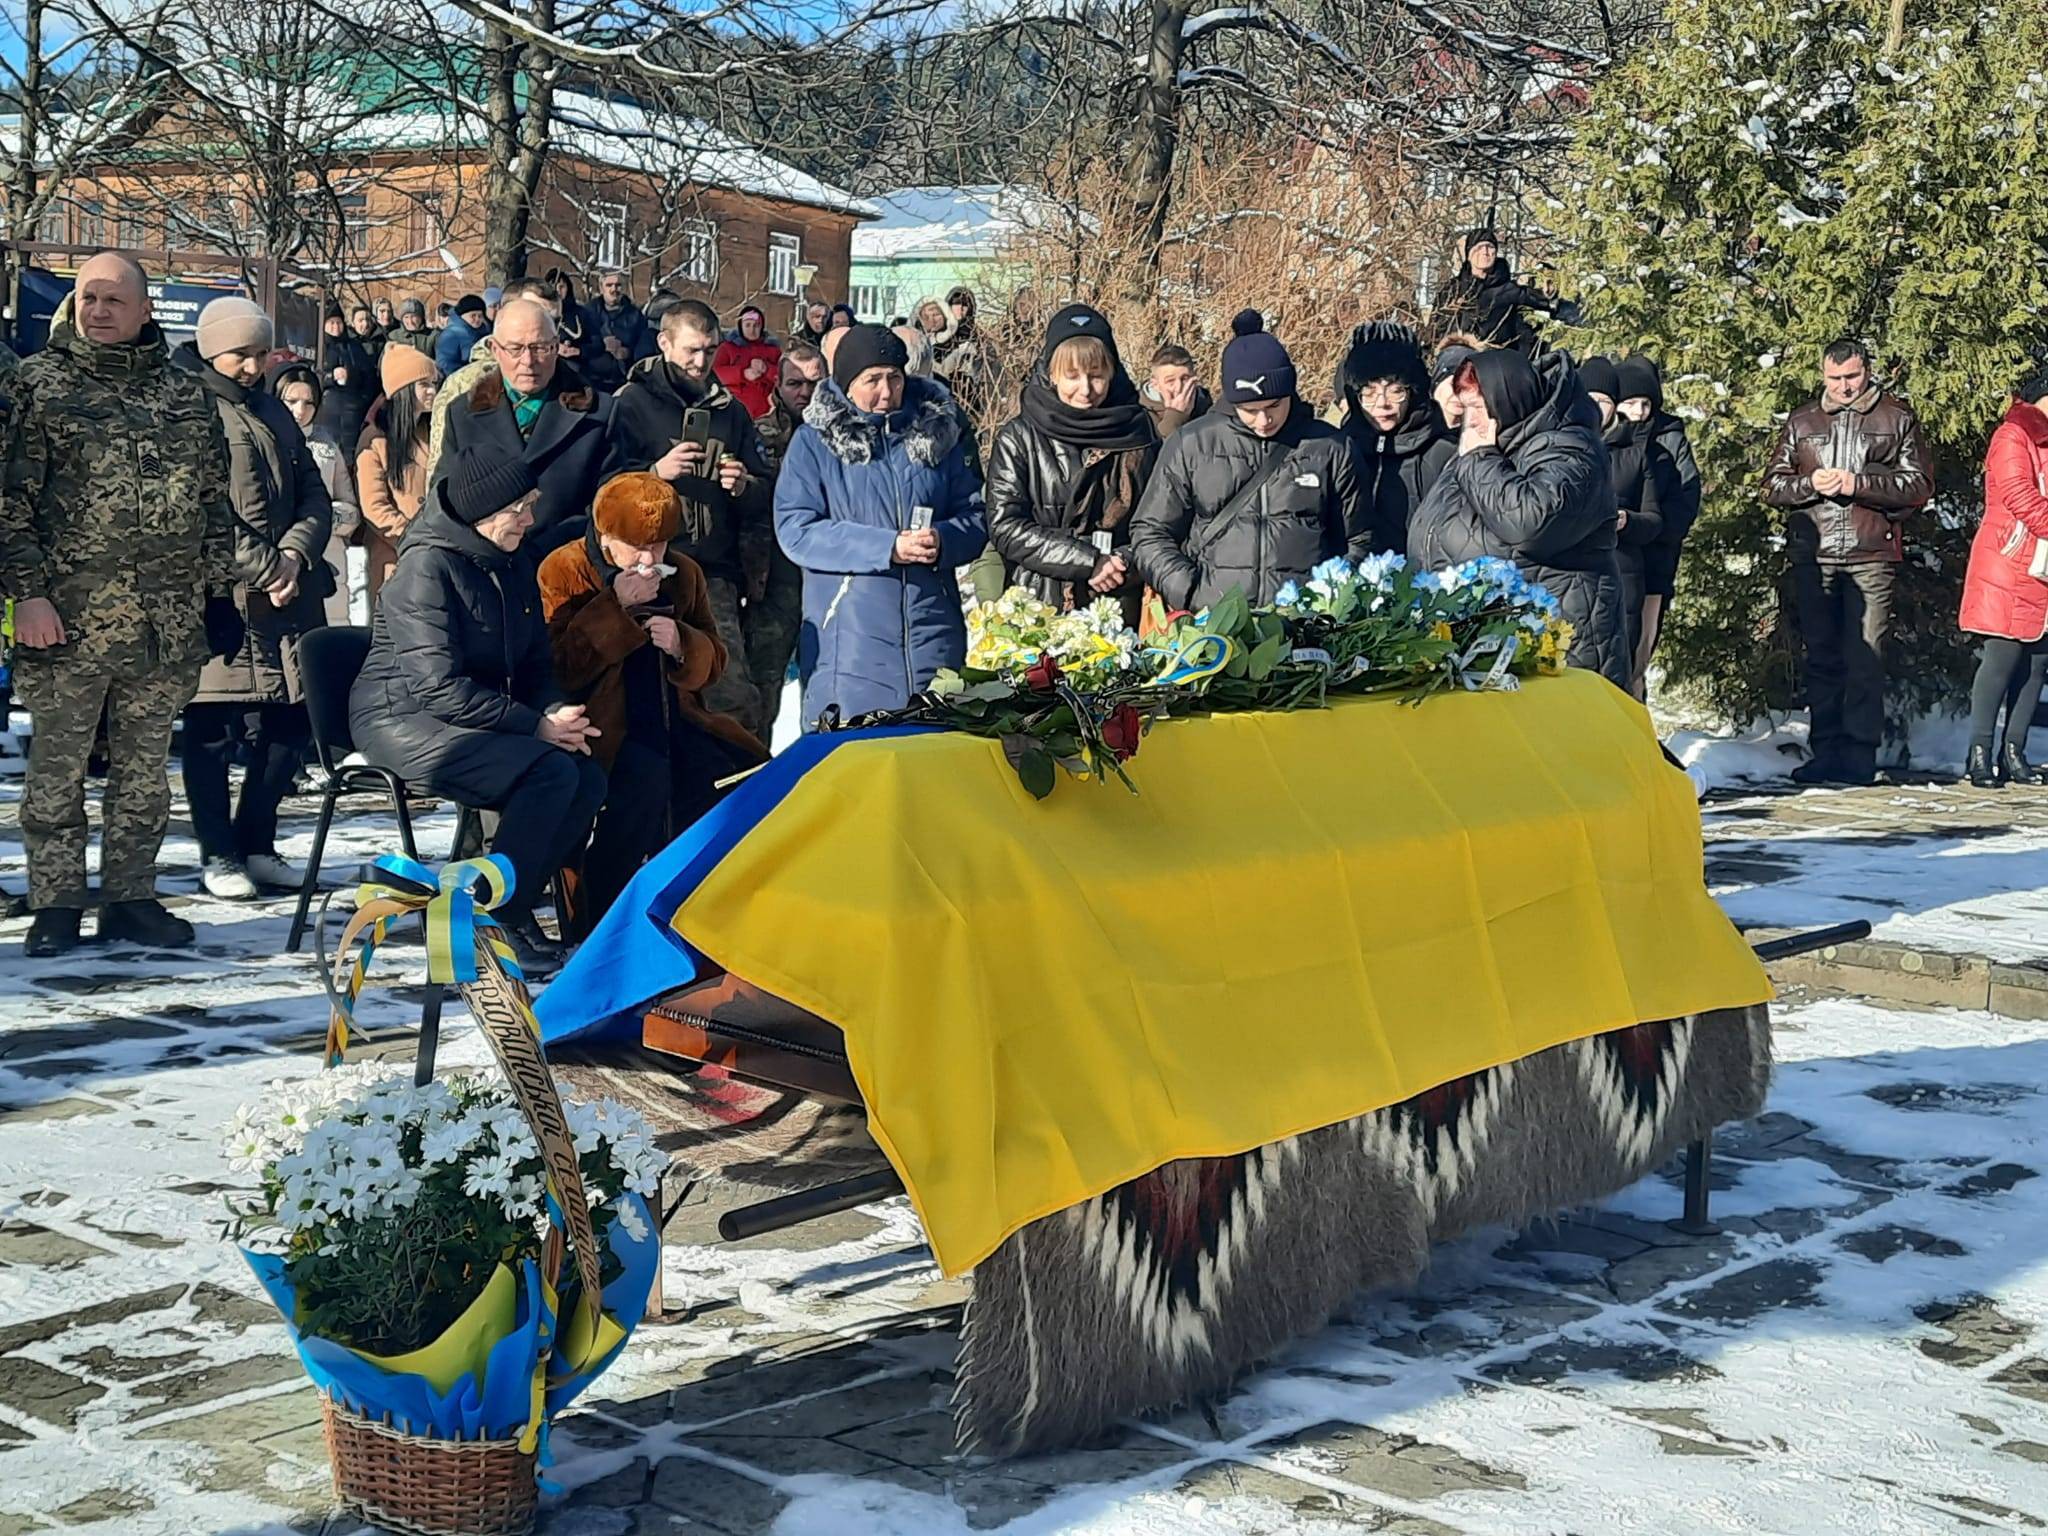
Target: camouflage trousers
column 771, row 627
column 66, row 697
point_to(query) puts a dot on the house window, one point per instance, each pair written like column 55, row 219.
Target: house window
column 92, row 224
column 607, row 235
column 874, row 301
column 56, row 225
column 129, row 227
column 785, row 254
column 355, row 223
column 423, row 224
column 700, row 254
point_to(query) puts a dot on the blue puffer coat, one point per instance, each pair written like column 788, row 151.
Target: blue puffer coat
column 875, row 632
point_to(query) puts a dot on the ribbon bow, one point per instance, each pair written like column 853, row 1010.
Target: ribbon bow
column 453, row 912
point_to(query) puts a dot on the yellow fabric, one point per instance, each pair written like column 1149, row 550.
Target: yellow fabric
column 1301, row 918
column 465, row 1345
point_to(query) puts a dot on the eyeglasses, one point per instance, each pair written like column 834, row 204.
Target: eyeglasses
column 534, row 349
column 1385, row 394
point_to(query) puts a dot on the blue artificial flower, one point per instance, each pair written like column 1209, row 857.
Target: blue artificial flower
column 1332, row 571
column 1288, row 596
column 1435, row 581
column 1380, row 570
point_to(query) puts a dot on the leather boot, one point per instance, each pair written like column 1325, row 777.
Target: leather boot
column 143, row 922
column 54, row 932
column 1979, row 770
column 2017, row 770
column 537, row 954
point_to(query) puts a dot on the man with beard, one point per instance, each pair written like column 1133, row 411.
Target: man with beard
column 724, row 482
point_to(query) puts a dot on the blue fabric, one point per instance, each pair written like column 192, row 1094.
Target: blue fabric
column 873, row 632
column 496, row 1408
column 625, row 1299
column 457, row 340
column 634, row 957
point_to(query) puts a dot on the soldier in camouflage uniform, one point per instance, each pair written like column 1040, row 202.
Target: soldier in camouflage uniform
column 775, row 587
column 117, row 547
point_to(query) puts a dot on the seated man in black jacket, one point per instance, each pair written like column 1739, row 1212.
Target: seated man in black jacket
column 724, row 480
column 1251, row 497
column 458, row 693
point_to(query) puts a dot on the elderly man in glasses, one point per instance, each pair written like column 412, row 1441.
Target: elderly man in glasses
column 538, row 408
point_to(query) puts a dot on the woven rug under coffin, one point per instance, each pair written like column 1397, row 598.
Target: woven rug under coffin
column 721, row 1128
column 1168, row 1288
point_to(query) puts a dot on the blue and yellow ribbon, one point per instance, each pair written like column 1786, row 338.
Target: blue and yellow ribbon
column 449, row 905
column 1194, row 660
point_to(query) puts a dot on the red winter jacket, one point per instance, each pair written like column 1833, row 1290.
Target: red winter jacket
column 730, row 363
column 1999, row 597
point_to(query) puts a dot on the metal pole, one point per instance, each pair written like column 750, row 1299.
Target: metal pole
column 1699, row 1166
column 807, row 1205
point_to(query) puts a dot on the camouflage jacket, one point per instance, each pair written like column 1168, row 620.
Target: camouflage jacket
column 775, row 428
column 114, row 502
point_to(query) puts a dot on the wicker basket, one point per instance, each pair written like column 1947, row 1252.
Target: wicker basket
column 429, row 1487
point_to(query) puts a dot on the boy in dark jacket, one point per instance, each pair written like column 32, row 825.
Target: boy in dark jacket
column 1251, row 497
column 458, row 694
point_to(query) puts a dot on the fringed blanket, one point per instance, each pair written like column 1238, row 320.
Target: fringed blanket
column 1168, row 1288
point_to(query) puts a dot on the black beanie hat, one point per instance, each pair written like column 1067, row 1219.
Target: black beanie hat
column 1257, row 367
column 2032, row 383
column 1078, row 319
column 1636, row 376
column 1449, row 361
column 469, row 303
column 1483, row 235
column 479, row 482
column 864, row 347
column 1598, row 376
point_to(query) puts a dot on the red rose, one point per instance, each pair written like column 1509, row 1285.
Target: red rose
column 1122, row 731
column 1044, row 674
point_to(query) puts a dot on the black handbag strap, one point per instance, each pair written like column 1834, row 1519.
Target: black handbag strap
column 1245, row 499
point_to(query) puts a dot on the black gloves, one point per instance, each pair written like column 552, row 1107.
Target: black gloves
column 225, row 629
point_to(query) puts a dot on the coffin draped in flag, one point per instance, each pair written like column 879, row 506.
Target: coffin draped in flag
column 1304, row 917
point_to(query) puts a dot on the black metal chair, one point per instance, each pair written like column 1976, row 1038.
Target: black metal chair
column 329, row 660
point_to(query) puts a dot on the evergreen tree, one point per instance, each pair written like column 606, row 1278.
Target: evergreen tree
column 1770, row 178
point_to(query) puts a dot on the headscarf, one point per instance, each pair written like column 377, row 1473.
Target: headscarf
column 1508, row 385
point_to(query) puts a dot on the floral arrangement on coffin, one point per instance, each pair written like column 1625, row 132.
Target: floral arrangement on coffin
column 399, row 1230
column 1079, row 689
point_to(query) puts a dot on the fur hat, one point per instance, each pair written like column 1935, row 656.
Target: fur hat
column 1383, row 349
column 637, row 508
column 232, row 324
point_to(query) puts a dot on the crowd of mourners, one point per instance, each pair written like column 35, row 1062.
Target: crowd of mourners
column 593, row 541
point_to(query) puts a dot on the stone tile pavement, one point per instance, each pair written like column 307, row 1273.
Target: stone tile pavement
column 1863, row 1347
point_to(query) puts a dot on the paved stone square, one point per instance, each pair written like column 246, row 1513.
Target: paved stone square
column 1863, row 1347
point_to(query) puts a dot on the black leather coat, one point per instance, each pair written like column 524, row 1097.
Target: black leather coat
column 1031, row 477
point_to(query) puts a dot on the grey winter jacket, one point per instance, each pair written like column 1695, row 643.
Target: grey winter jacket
column 1543, row 498
column 1308, row 511
column 281, row 506
column 874, row 632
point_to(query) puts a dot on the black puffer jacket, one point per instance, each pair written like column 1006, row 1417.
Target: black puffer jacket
column 1399, row 467
column 1031, row 478
column 1490, row 307
column 458, row 651
column 1541, row 497
column 1312, row 508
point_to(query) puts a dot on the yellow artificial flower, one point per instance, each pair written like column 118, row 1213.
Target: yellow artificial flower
column 1441, row 630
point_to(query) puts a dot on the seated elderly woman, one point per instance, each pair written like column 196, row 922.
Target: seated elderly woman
column 635, row 642
column 458, row 693
column 878, row 505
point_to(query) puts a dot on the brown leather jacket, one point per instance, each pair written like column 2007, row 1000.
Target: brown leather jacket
column 1877, row 439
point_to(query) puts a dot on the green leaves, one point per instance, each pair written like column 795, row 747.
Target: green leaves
column 1034, row 765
